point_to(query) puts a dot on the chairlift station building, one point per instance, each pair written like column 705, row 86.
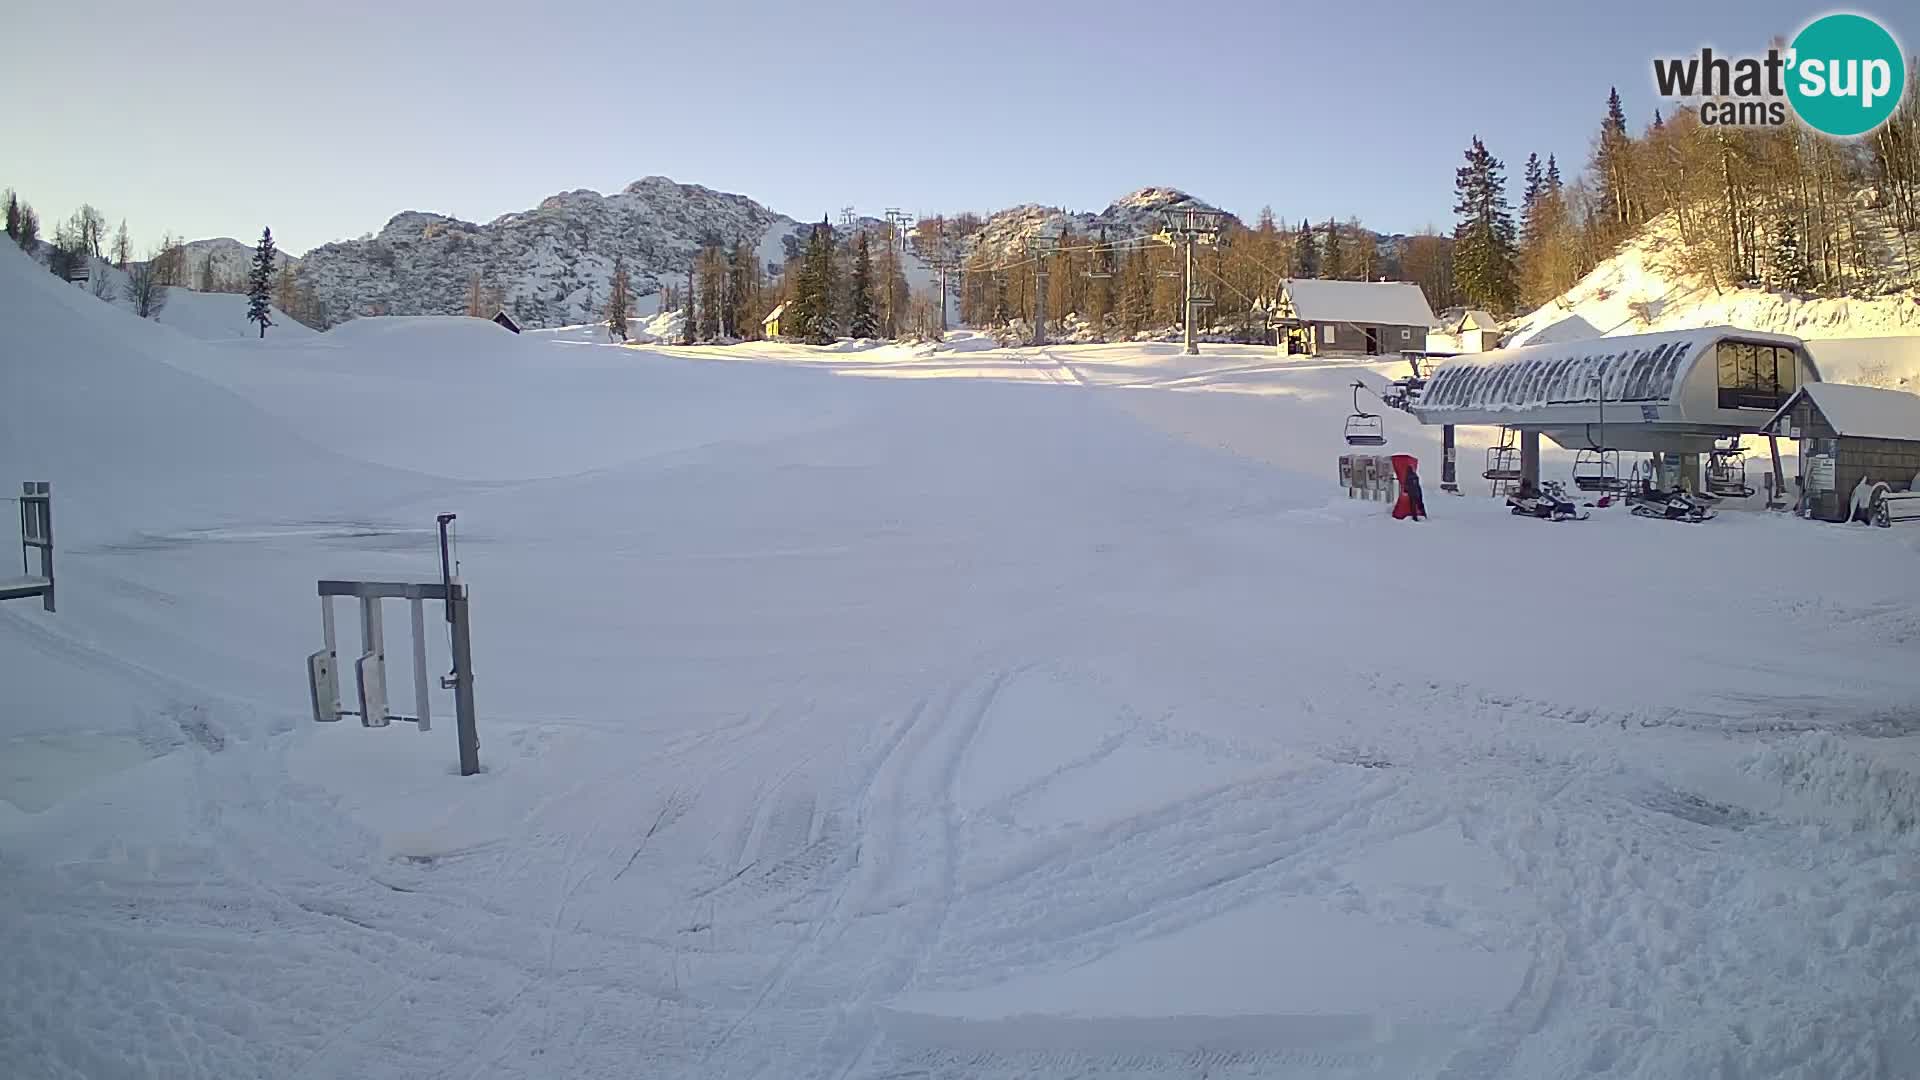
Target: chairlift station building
column 1676, row 391
column 1673, row 392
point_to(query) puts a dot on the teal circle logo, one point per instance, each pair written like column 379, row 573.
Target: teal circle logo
column 1846, row 75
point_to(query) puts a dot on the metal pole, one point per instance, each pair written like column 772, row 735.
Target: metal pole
column 1530, row 462
column 46, row 552
column 446, row 561
column 1192, row 349
column 463, row 682
column 422, row 704
column 943, row 296
column 1040, row 299
column 1779, row 481
column 1448, row 480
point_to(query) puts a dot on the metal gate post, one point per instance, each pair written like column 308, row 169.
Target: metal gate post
column 463, row 681
column 1448, row 480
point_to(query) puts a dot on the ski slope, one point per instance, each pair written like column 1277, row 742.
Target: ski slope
column 955, row 712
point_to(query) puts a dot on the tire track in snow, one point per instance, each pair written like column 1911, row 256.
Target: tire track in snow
column 858, row 1026
column 779, row 977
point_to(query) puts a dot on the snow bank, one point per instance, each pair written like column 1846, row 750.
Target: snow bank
column 1833, row 779
column 98, row 405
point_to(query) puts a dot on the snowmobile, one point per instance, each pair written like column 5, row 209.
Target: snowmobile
column 1676, row 505
column 1549, row 503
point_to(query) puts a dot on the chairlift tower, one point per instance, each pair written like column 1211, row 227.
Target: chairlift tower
column 897, row 221
column 1040, row 248
column 1190, row 227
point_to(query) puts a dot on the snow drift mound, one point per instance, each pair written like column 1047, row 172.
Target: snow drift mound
column 95, row 405
column 1836, row 780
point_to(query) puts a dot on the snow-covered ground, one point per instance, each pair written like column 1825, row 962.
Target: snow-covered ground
column 916, row 712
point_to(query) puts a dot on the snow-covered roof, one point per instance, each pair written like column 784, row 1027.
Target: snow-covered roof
column 1643, row 368
column 1866, row 412
column 1476, row 319
column 774, row 314
column 1388, row 303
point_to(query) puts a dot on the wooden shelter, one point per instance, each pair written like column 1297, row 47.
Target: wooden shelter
column 1850, row 434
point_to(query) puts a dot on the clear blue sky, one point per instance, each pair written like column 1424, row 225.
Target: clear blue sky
column 324, row 119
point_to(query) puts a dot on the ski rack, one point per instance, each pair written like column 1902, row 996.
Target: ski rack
column 370, row 669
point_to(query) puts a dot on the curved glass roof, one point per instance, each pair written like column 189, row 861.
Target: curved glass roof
column 1642, row 368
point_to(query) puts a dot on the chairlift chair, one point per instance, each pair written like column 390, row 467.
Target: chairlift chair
column 1364, row 428
column 1727, row 472
column 1597, row 469
column 1503, row 466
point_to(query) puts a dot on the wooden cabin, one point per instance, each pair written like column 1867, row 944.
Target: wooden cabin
column 1849, row 434
column 1352, row 318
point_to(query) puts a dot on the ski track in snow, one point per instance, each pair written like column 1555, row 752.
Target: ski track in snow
column 861, row 727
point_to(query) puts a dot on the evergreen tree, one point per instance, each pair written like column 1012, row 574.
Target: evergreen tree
column 860, row 320
column 619, row 293
column 1483, row 239
column 713, row 293
column 1553, row 175
column 817, row 287
column 742, row 284
column 1787, row 269
column 1536, row 186
column 260, row 283
column 1333, row 259
column 1306, row 254
column 13, row 216
column 122, row 246
column 686, row 311
column 206, row 273
column 1613, row 208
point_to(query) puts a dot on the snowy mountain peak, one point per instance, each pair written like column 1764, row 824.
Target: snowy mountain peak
column 226, row 250
column 1152, row 199
column 1134, row 214
column 409, row 224
column 570, row 198
column 551, row 264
